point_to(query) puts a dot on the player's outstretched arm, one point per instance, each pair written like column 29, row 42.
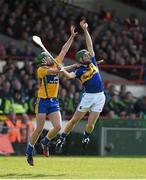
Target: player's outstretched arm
column 67, row 45
column 89, row 42
column 71, row 67
column 62, row 70
column 68, row 75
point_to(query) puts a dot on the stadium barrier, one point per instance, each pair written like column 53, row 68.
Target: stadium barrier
column 14, row 136
column 132, row 73
column 123, row 141
column 110, row 137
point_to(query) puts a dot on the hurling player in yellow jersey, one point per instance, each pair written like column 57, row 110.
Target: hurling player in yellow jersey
column 93, row 99
column 47, row 102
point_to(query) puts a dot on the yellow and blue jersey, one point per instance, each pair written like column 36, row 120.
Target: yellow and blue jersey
column 47, row 101
column 49, row 83
column 90, row 77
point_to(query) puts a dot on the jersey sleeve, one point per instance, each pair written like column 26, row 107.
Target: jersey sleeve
column 78, row 73
column 42, row 71
column 93, row 59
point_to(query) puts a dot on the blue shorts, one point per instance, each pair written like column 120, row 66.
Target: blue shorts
column 47, row 105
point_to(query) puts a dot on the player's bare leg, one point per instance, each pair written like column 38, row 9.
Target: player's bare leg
column 73, row 121
column 70, row 125
column 40, row 121
column 93, row 116
column 56, row 120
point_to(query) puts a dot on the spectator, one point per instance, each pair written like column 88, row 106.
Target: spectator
column 116, row 105
column 128, row 104
column 2, row 49
column 28, row 52
column 63, row 101
column 132, row 21
column 140, row 107
column 17, row 104
column 111, row 115
column 31, row 103
column 122, row 91
column 5, row 96
column 12, row 50
column 12, row 126
column 112, row 90
column 6, row 87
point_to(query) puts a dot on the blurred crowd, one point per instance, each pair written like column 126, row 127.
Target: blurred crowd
column 117, row 41
column 18, row 90
column 138, row 4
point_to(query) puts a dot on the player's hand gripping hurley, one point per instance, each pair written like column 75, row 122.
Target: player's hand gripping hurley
column 38, row 41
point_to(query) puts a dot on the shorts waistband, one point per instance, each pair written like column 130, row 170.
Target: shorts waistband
column 92, row 94
column 50, row 99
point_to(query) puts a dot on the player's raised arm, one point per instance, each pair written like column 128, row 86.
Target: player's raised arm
column 68, row 75
column 71, row 67
column 89, row 43
column 64, row 69
column 67, row 45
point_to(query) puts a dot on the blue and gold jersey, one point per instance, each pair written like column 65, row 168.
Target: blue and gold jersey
column 90, row 77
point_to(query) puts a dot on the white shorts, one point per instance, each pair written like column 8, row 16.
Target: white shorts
column 92, row 102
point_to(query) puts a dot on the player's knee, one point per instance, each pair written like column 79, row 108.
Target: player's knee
column 58, row 127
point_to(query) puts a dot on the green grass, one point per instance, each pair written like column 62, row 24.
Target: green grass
column 74, row 168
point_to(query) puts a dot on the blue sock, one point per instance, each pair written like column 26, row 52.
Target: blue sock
column 63, row 136
column 86, row 134
column 30, row 149
column 46, row 140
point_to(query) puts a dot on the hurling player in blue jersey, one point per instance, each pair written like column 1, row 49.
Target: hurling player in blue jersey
column 93, row 99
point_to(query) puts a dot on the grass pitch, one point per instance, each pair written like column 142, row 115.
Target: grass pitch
column 73, row 168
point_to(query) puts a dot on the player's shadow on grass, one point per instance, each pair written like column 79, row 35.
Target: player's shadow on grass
column 14, row 175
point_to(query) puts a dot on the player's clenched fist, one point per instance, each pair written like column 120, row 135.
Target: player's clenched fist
column 83, row 25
